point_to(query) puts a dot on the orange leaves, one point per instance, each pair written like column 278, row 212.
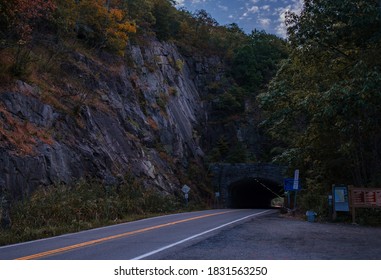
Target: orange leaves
column 101, row 23
column 106, row 23
column 34, row 9
column 23, row 15
column 117, row 14
column 21, row 136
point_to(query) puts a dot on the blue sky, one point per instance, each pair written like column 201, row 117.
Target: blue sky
column 265, row 15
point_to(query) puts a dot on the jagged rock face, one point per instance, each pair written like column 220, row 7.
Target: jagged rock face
column 147, row 121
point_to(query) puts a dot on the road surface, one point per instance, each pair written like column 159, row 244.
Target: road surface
column 142, row 239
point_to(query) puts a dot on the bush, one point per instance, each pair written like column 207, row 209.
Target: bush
column 309, row 200
column 86, row 204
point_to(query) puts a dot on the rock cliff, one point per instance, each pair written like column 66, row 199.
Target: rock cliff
column 105, row 117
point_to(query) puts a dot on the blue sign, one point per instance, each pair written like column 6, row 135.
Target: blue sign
column 340, row 198
column 291, row 185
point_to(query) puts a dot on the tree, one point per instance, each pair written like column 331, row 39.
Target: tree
column 166, row 24
column 20, row 17
column 141, row 12
column 101, row 23
column 325, row 100
column 256, row 61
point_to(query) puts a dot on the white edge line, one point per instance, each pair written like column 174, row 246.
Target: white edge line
column 195, row 236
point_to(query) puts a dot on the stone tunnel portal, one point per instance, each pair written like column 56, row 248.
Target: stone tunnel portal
column 253, row 193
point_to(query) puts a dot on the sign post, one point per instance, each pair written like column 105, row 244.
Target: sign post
column 292, row 185
column 296, row 180
column 185, row 189
column 217, row 199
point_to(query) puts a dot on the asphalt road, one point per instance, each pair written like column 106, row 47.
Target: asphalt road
column 144, row 239
column 283, row 237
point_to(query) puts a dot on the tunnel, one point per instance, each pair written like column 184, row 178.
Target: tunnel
column 253, row 193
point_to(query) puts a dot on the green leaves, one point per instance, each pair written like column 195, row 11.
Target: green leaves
column 325, row 100
column 255, row 63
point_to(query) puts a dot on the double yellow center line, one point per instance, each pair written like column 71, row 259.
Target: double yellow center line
column 112, row 237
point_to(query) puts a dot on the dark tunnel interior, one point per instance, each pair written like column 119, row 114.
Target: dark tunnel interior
column 253, row 193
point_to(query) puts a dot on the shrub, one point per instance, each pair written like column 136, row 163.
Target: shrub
column 86, row 204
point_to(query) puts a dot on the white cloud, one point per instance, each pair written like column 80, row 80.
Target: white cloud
column 265, row 22
column 197, row 1
column 296, row 7
column 249, row 11
column 179, row 3
column 266, row 7
column 224, row 8
column 253, row 9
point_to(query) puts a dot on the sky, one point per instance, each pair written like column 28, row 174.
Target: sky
column 265, row 15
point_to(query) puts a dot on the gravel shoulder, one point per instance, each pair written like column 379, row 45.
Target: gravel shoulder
column 278, row 237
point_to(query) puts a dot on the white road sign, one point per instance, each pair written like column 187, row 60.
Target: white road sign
column 296, row 179
column 185, row 189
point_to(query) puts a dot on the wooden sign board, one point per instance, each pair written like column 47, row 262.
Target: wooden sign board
column 364, row 198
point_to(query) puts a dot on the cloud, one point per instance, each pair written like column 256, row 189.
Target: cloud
column 266, row 7
column 197, row 1
column 296, row 7
column 253, row 9
column 179, row 3
column 224, row 8
column 265, row 22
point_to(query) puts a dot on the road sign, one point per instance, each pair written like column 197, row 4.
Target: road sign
column 289, row 184
column 296, row 180
column 185, row 189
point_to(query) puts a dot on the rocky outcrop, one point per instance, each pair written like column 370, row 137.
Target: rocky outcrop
column 143, row 116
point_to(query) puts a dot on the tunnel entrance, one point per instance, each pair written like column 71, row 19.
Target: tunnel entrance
column 253, row 193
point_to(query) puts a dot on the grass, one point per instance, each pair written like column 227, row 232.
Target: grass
column 60, row 209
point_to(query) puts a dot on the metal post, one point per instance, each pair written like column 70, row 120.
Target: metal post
column 330, row 207
column 186, row 199
column 288, row 200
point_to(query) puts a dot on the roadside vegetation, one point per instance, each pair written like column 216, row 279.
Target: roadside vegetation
column 324, row 103
column 87, row 204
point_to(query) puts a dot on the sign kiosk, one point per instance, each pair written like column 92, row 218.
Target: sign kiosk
column 340, row 199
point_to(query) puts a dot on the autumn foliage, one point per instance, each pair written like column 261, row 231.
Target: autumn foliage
column 19, row 17
column 101, row 23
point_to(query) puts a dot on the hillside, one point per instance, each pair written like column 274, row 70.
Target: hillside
column 116, row 92
column 72, row 108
